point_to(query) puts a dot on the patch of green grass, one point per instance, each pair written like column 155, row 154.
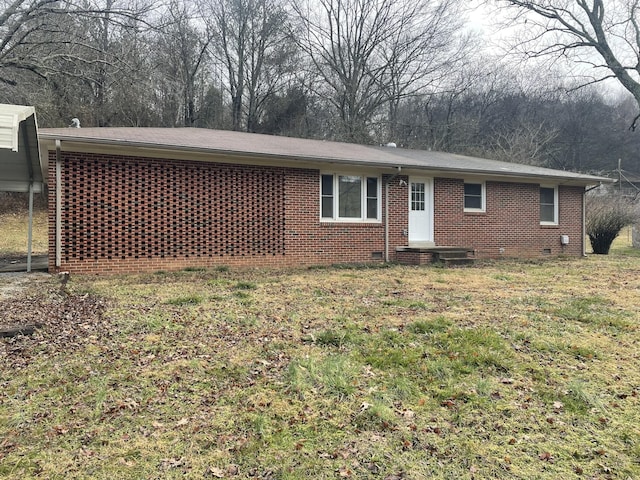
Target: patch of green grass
column 14, row 233
column 594, row 310
column 194, row 269
column 375, row 416
column 503, row 277
column 577, row 399
column 438, row 369
column 185, row 300
column 333, row 376
column 389, row 357
column 426, row 327
column 555, row 347
column 332, row 338
column 406, row 303
column 244, row 285
column 401, row 388
column 469, row 349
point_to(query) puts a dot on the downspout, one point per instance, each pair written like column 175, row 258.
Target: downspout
column 58, row 205
column 584, row 217
column 386, row 214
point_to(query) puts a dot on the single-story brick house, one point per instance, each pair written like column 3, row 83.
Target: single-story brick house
column 145, row 199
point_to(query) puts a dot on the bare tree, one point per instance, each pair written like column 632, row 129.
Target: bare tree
column 20, row 21
column 602, row 35
column 462, row 111
column 182, row 56
column 250, row 43
column 32, row 32
column 373, row 53
column 73, row 49
column 528, row 143
column 425, row 50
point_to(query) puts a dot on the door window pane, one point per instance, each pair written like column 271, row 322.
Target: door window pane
column 417, row 196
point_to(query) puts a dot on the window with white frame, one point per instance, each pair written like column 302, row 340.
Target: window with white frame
column 474, row 197
column 548, row 205
column 349, row 197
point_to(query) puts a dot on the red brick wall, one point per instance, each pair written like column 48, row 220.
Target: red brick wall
column 511, row 224
column 310, row 241
column 130, row 214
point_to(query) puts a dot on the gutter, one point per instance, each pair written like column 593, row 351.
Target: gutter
column 386, row 214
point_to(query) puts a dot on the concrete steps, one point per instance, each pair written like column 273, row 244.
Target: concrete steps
column 447, row 256
column 455, row 258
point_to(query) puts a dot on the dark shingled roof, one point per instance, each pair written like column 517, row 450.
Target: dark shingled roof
column 298, row 149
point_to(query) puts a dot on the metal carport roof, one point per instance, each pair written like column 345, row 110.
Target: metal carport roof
column 20, row 167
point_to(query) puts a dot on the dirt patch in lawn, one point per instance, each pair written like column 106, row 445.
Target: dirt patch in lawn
column 15, row 284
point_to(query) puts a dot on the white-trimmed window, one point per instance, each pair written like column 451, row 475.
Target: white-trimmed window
column 548, row 205
column 474, row 197
column 346, row 197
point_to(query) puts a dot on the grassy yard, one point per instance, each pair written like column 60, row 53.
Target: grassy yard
column 527, row 370
column 14, row 233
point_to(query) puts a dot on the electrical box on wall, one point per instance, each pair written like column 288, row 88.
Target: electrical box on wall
column 564, row 239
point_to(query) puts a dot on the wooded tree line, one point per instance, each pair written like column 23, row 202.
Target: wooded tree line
column 367, row 71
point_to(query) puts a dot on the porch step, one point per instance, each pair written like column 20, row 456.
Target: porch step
column 456, row 262
column 449, row 256
column 452, row 256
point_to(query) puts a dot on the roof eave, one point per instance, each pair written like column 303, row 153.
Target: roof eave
column 564, row 180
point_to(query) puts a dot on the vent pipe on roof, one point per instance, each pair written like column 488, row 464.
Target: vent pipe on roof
column 75, row 123
column 391, row 145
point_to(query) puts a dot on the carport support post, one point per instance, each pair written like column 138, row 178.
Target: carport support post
column 30, row 234
column 58, row 204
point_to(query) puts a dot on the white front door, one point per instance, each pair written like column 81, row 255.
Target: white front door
column 420, row 211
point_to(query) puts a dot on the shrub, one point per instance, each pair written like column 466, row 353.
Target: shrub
column 606, row 216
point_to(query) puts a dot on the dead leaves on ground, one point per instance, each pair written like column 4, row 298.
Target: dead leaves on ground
column 64, row 323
